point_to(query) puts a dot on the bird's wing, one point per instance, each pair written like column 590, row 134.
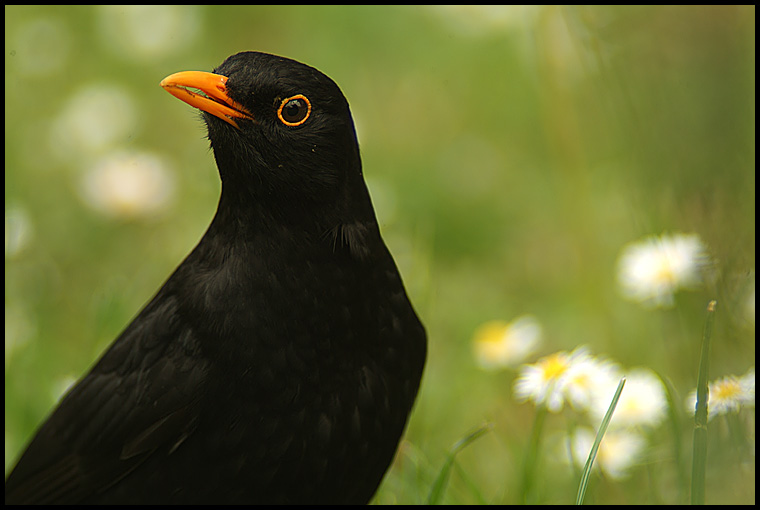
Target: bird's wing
column 141, row 397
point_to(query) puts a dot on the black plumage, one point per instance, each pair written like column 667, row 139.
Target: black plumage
column 280, row 361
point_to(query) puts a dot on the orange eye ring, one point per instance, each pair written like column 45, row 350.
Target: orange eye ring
column 294, row 110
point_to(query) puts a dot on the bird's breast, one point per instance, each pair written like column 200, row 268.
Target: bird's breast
column 306, row 312
column 320, row 345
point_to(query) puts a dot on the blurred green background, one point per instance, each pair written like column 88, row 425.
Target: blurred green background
column 511, row 153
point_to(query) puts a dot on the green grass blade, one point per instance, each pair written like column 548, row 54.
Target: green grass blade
column 676, row 420
column 526, row 492
column 470, row 484
column 436, row 492
column 699, row 460
column 595, row 448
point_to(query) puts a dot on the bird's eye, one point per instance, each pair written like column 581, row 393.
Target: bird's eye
column 294, row 110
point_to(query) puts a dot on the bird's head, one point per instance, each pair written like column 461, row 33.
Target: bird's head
column 281, row 131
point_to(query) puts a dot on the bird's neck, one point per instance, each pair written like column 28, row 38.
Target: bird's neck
column 275, row 229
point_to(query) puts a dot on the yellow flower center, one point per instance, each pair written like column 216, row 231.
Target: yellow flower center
column 728, row 389
column 491, row 332
column 663, row 272
column 553, row 366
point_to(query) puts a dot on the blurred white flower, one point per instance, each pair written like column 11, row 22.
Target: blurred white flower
column 618, row 451
column 149, row 31
column 18, row 231
column 479, row 20
column 128, row 185
column 92, row 121
column 544, row 381
column 20, row 327
column 642, row 402
column 747, row 383
column 727, row 395
column 500, row 344
column 652, row 270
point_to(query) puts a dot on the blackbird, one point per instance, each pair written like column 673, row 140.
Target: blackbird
column 280, row 361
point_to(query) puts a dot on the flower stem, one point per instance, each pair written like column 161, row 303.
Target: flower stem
column 532, row 456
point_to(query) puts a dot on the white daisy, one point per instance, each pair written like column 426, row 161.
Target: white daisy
column 642, row 402
column 726, row 395
column 618, row 452
column 589, row 380
column 652, row 270
column 94, row 120
column 128, row 185
column 149, row 31
column 544, row 381
column 498, row 344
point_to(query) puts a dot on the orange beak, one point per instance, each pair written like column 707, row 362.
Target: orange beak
column 213, row 98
